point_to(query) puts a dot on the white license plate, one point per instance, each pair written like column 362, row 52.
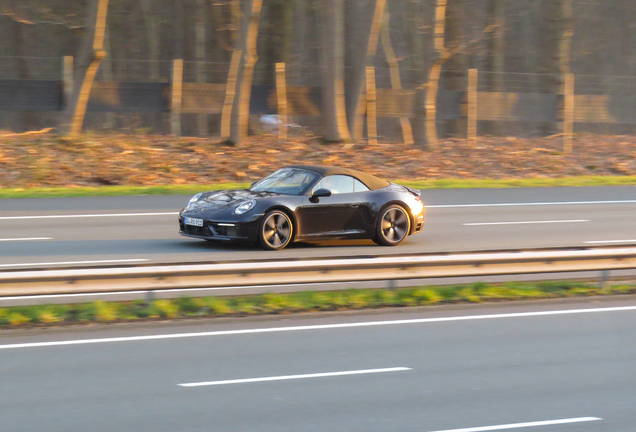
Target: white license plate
column 193, row 221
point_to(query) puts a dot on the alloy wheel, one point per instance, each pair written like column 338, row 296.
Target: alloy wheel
column 276, row 230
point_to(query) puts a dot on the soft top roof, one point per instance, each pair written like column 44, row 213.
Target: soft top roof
column 369, row 181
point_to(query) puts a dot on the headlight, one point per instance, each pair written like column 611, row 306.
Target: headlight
column 416, row 207
column 193, row 200
column 244, row 207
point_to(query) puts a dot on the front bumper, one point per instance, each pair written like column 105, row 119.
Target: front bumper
column 219, row 230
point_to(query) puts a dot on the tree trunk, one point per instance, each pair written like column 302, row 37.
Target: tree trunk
column 202, row 119
column 90, row 56
column 455, row 67
column 241, row 110
column 333, row 99
column 109, row 75
column 363, row 42
column 418, row 64
column 495, row 53
column 555, row 48
column 357, row 101
column 152, row 35
column 296, row 63
column 394, row 67
column 495, row 45
column 434, row 74
column 26, row 120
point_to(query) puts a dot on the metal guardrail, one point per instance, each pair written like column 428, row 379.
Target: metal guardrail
column 280, row 272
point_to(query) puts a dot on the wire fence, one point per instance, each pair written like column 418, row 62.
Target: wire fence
column 134, row 95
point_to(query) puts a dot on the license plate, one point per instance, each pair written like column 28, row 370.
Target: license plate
column 193, row 221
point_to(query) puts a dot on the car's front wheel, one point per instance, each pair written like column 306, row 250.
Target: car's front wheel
column 276, row 230
column 393, row 226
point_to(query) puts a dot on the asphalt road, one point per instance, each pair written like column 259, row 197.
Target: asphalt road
column 533, row 367
column 51, row 231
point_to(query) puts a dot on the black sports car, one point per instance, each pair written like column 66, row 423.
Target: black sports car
column 306, row 203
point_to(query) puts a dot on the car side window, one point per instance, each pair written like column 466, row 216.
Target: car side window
column 337, row 184
column 358, row 186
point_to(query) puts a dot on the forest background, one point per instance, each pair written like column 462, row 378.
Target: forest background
column 419, row 46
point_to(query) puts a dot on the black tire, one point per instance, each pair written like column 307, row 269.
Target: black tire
column 393, row 226
column 275, row 231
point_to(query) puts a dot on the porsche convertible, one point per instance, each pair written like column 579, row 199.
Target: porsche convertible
column 305, row 203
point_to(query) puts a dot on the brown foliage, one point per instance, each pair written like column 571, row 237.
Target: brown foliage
column 47, row 160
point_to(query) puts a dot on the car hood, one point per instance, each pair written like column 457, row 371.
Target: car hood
column 215, row 201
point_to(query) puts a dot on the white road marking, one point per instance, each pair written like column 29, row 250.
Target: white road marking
column 524, row 425
column 26, row 239
column 72, row 216
column 531, row 204
column 316, row 327
column 610, row 241
column 73, row 263
column 293, row 377
column 526, row 222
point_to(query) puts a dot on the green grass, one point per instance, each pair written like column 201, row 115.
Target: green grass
column 528, row 182
column 268, row 304
column 419, row 184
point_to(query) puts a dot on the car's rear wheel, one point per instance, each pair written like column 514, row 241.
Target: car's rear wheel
column 276, row 230
column 393, row 226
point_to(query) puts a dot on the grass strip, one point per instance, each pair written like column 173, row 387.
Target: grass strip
column 309, row 301
column 521, row 183
column 82, row 191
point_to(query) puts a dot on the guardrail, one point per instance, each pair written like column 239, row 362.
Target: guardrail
column 281, row 272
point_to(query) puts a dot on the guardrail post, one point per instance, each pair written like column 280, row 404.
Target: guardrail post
column 603, row 282
column 281, row 93
column 177, row 97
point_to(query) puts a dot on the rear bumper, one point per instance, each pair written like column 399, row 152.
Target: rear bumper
column 418, row 224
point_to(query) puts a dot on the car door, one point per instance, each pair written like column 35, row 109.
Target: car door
column 335, row 215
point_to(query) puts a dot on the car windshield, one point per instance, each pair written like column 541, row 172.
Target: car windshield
column 288, row 181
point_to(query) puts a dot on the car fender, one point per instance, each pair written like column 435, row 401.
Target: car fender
column 401, row 204
column 289, row 212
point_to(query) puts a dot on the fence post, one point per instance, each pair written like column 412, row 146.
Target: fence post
column 372, row 126
column 281, row 94
column 568, row 113
column 472, row 104
column 67, row 78
column 177, row 97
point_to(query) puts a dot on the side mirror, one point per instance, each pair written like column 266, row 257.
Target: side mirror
column 322, row 192
column 252, row 185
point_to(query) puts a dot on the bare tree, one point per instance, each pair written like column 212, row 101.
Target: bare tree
column 202, row 119
column 554, row 49
column 357, row 100
column 153, row 38
column 90, row 57
column 455, row 66
column 239, row 123
column 334, row 113
column 442, row 54
column 394, row 67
